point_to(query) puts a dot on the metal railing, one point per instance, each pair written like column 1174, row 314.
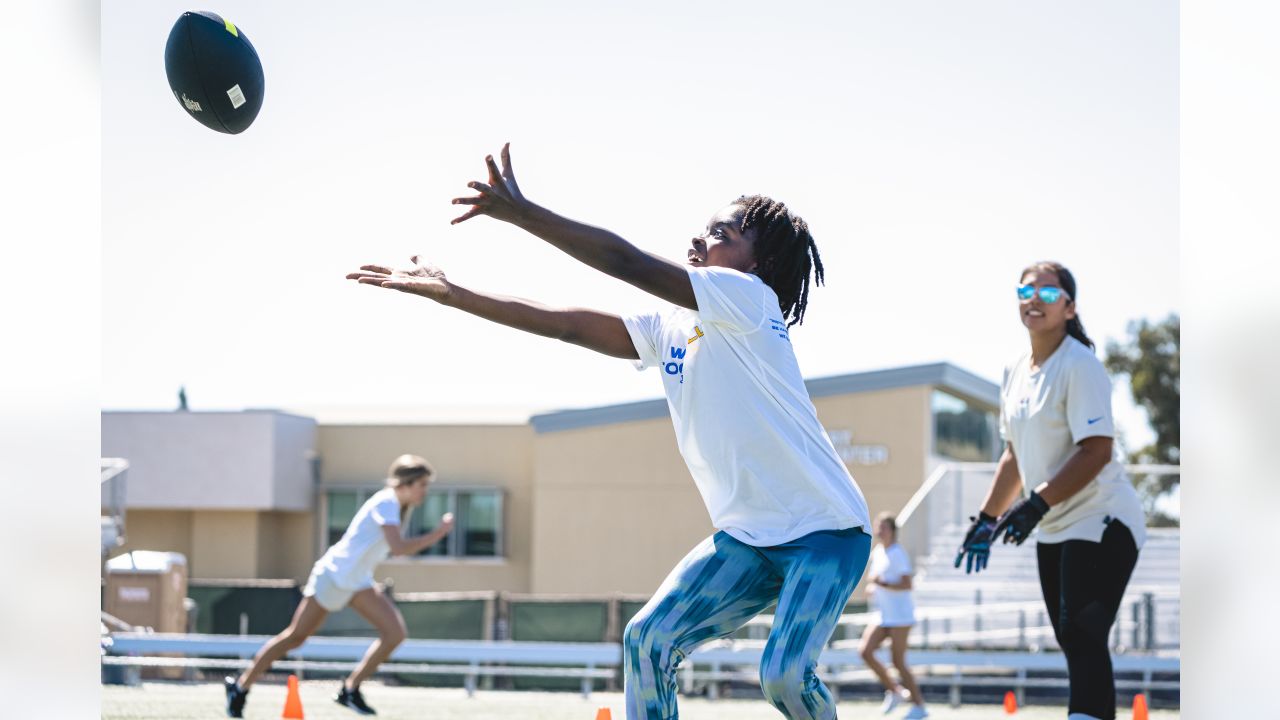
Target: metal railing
column 470, row 659
column 956, row 490
column 1021, row 625
column 114, row 491
column 930, row 526
column 738, row 661
column 735, row 660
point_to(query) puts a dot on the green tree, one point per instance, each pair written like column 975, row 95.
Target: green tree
column 1149, row 358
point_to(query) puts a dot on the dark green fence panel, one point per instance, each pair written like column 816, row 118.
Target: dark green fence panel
column 557, row 621
column 627, row 609
column 442, row 620
column 220, row 605
column 445, row 619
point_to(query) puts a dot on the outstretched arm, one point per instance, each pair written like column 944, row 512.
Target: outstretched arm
column 603, row 332
column 414, row 545
column 605, row 251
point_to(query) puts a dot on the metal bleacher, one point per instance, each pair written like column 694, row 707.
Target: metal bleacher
column 989, row 628
column 1006, row 598
column 1002, row 607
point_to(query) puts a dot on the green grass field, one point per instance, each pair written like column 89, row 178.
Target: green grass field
column 189, row 701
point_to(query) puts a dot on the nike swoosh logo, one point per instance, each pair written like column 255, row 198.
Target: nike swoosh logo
column 1096, row 419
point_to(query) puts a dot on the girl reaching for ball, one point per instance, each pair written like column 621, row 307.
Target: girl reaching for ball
column 790, row 521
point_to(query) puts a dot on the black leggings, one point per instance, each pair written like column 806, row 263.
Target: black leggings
column 1083, row 583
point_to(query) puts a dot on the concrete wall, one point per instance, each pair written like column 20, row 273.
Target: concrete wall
column 163, row 530
column 615, row 508
column 254, row 460
column 286, row 541
column 294, row 456
column 222, row 544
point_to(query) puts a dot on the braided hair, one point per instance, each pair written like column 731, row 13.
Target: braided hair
column 785, row 252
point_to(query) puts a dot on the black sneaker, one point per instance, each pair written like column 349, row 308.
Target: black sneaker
column 354, row 700
column 235, row 697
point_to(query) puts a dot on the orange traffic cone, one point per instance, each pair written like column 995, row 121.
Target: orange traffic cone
column 604, row 714
column 292, row 703
column 1010, row 703
column 1139, row 707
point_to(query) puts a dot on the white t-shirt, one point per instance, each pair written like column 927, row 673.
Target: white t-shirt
column 744, row 422
column 1043, row 415
column 351, row 560
column 892, row 564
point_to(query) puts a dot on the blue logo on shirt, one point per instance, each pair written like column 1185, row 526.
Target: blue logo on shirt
column 780, row 328
column 675, row 368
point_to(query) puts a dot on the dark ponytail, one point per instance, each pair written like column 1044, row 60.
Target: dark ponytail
column 1075, row 328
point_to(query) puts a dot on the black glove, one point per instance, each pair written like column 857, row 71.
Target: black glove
column 1022, row 518
column 977, row 543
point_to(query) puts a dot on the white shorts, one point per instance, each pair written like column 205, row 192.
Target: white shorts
column 896, row 609
column 326, row 592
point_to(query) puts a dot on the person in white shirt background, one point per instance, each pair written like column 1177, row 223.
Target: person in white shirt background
column 889, row 586
column 790, row 521
column 1055, row 417
column 344, row 576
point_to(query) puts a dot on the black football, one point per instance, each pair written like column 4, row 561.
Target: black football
column 214, row 72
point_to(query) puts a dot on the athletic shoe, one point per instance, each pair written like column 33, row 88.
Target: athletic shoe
column 917, row 712
column 354, row 700
column 891, row 700
column 235, row 697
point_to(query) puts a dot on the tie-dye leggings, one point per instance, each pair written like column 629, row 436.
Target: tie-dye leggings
column 723, row 583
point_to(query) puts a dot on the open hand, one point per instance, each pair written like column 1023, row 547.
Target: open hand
column 422, row 279
column 500, row 198
column 975, row 550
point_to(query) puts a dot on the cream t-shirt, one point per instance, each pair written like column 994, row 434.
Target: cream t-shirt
column 1044, row 413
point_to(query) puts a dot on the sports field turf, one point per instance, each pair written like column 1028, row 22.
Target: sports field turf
column 188, row 701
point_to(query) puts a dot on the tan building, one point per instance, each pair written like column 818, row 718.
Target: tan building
column 595, row 500
column 232, row 491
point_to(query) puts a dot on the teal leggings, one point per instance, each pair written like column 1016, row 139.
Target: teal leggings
column 720, row 585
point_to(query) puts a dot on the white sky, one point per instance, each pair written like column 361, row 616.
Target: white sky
column 935, row 148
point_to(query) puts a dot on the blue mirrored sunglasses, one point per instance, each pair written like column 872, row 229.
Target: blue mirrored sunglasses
column 1048, row 294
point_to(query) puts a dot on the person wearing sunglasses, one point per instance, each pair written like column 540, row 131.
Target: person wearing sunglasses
column 1056, row 421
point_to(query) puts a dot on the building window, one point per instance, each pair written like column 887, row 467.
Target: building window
column 962, row 430
column 343, row 505
column 426, row 517
column 482, row 512
column 477, row 513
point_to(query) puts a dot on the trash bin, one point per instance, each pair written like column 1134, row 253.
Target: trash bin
column 149, row 589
